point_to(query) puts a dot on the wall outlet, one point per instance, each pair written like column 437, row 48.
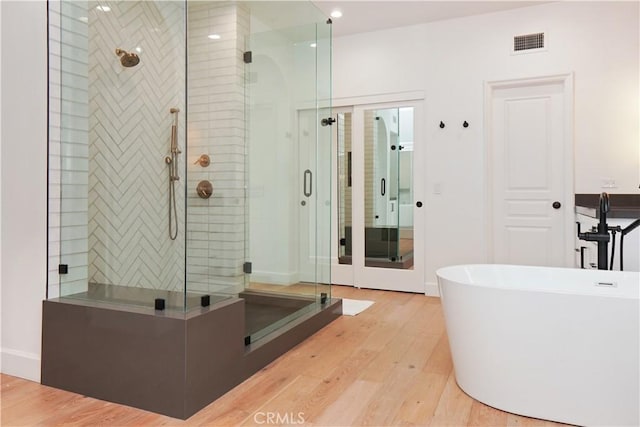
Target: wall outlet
column 608, row 183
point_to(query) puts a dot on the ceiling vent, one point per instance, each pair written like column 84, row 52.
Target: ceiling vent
column 528, row 42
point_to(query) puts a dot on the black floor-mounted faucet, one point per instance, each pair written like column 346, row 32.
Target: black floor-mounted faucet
column 601, row 236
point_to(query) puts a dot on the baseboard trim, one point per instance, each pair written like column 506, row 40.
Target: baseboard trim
column 274, row 278
column 21, row 364
column 431, row 290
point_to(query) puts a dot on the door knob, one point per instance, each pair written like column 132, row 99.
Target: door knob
column 556, row 205
column 419, row 204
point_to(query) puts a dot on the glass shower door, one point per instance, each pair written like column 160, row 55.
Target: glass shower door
column 287, row 166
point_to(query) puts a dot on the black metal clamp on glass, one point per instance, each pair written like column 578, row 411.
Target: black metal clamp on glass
column 601, row 236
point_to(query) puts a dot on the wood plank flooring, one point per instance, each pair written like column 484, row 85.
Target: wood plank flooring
column 390, row 365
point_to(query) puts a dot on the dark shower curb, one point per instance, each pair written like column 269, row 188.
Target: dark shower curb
column 169, row 363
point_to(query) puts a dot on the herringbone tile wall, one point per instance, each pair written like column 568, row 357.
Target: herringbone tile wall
column 129, row 134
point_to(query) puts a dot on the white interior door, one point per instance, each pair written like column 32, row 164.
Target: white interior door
column 384, row 222
column 530, row 162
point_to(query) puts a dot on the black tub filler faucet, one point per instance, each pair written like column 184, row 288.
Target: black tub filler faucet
column 601, row 235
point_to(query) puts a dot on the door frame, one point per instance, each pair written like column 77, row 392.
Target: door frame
column 566, row 80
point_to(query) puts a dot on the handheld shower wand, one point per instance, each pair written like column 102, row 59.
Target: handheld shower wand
column 174, row 137
column 172, row 161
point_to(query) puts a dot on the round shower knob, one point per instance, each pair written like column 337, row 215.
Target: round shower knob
column 204, row 189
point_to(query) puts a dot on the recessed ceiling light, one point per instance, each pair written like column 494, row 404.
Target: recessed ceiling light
column 139, row 49
column 103, row 8
column 214, row 36
column 336, row 14
column 83, row 19
column 313, row 45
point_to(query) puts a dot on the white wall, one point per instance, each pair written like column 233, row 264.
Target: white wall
column 450, row 61
column 24, row 184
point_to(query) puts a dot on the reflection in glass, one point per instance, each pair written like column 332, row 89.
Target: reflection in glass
column 343, row 122
column 388, row 198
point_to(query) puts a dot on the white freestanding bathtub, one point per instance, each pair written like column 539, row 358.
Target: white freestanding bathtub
column 552, row 343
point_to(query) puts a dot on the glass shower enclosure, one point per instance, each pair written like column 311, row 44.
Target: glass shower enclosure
column 187, row 157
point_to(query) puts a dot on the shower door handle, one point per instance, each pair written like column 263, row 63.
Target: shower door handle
column 308, row 180
column 383, row 187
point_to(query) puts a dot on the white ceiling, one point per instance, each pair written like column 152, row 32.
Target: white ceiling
column 364, row 16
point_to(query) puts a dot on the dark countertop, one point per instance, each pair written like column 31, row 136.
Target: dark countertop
column 620, row 205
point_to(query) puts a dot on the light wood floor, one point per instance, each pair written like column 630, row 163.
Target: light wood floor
column 390, row 365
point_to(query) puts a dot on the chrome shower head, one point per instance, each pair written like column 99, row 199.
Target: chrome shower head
column 127, row 59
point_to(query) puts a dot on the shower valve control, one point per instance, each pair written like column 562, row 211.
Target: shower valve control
column 204, row 189
column 204, row 160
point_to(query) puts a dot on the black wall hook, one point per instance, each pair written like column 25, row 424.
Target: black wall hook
column 465, row 124
column 441, row 125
